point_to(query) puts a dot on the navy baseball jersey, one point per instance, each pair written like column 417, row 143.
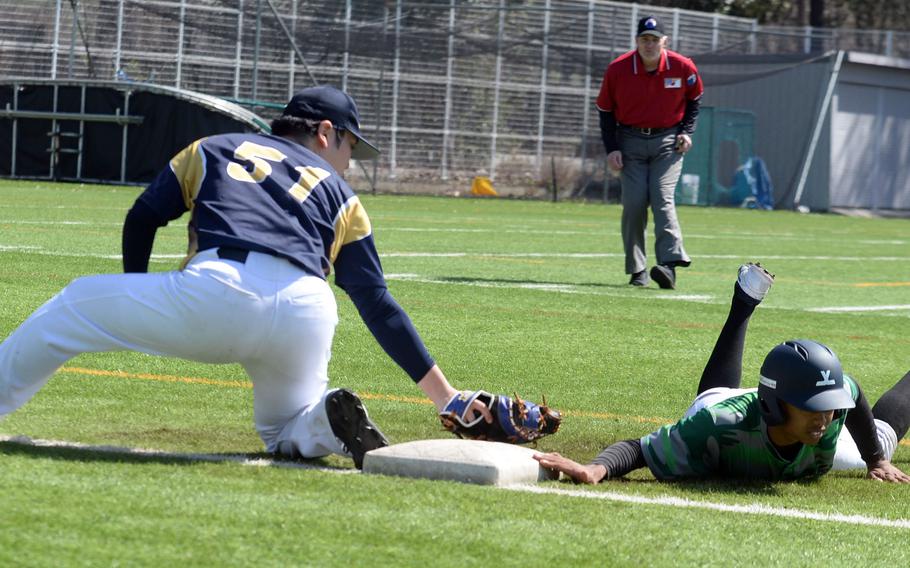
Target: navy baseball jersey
column 268, row 194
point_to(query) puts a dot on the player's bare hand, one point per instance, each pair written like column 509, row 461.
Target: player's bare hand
column 476, row 408
column 886, row 471
column 683, row 143
column 591, row 473
column 614, row 160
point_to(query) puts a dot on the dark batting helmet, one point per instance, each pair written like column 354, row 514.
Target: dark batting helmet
column 804, row 373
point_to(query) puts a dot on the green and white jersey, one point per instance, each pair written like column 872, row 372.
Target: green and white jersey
column 730, row 439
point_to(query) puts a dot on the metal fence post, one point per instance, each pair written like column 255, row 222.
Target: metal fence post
column 450, row 62
column 676, row 46
column 118, row 50
column 15, row 127
column 497, row 86
column 73, row 26
column 56, row 49
column 752, row 36
column 292, row 66
column 633, row 25
column 347, row 46
column 385, row 47
column 586, row 111
column 238, row 49
column 715, row 22
column 255, row 94
column 179, row 77
column 544, row 55
column 123, row 139
column 396, row 78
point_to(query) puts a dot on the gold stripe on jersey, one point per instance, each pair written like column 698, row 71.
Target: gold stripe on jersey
column 310, row 177
column 351, row 224
column 189, row 168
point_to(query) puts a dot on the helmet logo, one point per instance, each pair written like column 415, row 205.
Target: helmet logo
column 826, row 380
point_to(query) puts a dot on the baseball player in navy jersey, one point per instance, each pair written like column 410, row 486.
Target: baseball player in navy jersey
column 270, row 219
column 805, row 418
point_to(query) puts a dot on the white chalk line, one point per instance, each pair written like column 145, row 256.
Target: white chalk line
column 887, row 310
column 545, row 287
column 751, row 509
column 860, row 309
column 593, row 255
column 661, row 501
column 762, row 257
column 521, row 229
column 54, row 223
column 159, row 454
column 555, row 288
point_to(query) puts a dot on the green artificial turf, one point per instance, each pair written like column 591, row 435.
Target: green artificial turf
column 510, row 296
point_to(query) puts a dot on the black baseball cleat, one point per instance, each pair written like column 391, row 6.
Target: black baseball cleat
column 664, row 275
column 352, row 425
column 640, row 278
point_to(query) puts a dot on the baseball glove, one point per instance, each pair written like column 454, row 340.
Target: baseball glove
column 515, row 421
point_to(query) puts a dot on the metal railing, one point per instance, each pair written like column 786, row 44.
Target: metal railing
column 449, row 89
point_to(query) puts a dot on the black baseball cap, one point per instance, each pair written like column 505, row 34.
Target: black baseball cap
column 650, row 26
column 328, row 103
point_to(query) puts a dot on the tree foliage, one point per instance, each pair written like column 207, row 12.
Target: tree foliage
column 860, row 14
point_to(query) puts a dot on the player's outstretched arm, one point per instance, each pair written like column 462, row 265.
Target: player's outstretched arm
column 591, row 473
column 437, row 388
column 884, row 470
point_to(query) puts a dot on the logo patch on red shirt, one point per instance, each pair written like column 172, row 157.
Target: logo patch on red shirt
column 672, row 83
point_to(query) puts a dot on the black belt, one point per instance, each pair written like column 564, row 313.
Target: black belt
column 648, row 131
column 231, row 253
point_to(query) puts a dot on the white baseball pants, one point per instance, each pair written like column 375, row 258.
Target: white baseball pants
column 266, row 314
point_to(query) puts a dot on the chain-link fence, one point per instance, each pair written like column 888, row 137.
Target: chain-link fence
column 449, row 89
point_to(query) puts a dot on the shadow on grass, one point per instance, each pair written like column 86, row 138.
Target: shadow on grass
column 701, row 486
column 71, row 451
column 531, row 284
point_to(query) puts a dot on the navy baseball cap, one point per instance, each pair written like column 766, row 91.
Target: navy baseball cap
column 328, row 103
column 650, row 26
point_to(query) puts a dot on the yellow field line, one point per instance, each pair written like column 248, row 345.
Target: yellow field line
column 367, row 396
column 880, row 284
column 151, row 377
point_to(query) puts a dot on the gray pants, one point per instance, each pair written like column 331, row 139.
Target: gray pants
column 651, row 168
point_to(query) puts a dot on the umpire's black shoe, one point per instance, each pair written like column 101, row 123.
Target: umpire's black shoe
column 664, row 275
column 640, row 278
column 352, row 425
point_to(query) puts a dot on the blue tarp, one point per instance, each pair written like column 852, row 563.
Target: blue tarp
column 752, row 185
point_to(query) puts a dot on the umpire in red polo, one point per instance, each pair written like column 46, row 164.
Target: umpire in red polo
column 648, row 104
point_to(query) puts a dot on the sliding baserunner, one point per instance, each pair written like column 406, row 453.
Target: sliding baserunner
column 805, row 418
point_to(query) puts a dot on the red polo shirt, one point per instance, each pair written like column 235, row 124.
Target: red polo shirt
column 649, row 100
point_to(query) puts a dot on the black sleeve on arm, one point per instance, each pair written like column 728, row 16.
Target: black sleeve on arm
column 621, row 458
column 139, row 230
column 608, row 131
column 392, row 328
column 861, row 425
column 690, row 115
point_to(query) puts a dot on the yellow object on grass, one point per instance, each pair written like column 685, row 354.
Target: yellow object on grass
column 482, row 186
